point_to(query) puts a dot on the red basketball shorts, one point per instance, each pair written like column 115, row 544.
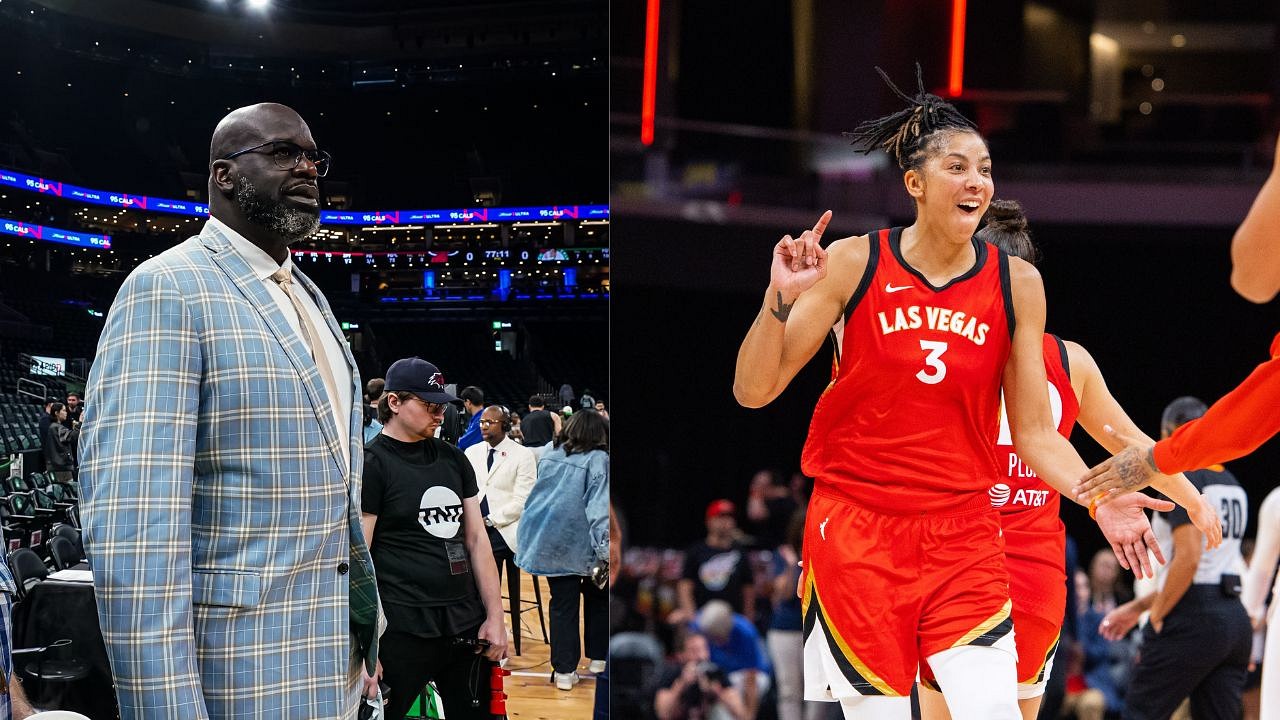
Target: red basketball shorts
column 885, row 591
column 1038, row 586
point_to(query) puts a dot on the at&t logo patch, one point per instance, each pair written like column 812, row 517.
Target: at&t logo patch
column 999, row 494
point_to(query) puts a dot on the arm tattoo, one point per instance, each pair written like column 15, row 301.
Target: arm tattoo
column 1132, row 468
column 784, row 309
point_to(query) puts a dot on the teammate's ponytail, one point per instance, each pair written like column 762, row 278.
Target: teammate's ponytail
column 1005, row 227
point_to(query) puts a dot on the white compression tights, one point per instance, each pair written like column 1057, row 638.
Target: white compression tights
column 979, row 683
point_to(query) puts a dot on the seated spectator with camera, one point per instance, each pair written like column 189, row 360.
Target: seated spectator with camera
column 693, row 687
column 436, row 576
column 735, row 646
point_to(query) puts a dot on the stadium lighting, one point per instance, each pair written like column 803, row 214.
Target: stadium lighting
column 258, row 4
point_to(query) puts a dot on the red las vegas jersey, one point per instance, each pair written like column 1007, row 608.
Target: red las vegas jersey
column 1034, row 536
column 1025, row 502
column 909, row 421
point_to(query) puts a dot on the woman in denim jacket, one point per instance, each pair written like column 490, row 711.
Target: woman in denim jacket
column 564, row 535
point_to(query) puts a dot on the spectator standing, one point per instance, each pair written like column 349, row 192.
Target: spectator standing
column 74, row 409
column 373, row 391
column 564, row 536
column 60, row 443
column 717, row 568
column 422, row 520
column 473, row 403
column 45, row 421
column 505, row 471
column 539, row 426
column 769, row 509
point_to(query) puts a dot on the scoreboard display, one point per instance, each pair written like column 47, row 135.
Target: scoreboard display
column 459, row 258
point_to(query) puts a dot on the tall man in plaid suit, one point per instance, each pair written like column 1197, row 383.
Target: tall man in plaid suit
column 221, row 455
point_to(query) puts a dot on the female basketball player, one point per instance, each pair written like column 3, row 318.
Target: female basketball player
column 902, row 551
column 1034, row 536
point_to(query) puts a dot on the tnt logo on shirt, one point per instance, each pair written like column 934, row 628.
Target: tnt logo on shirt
column 440, row 512
column 716, row 572
column 1001, row 494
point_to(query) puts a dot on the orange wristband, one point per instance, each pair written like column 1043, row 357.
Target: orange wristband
column 1093, row 507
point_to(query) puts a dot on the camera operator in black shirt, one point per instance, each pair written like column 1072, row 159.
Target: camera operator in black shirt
column 422, row 521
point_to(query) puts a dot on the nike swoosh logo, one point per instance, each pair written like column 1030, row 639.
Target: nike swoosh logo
column 889, row 288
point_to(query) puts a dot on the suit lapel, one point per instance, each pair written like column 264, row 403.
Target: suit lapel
column 499, row 457
column 255, row 292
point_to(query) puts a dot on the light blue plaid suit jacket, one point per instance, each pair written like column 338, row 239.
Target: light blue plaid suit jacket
column 216, row 507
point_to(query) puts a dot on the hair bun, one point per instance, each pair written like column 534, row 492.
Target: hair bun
column 1006, row 216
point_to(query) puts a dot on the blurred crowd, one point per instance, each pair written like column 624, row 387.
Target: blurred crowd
column 715, row 630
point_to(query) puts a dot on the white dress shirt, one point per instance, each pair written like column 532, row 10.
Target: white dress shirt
column 263, row 267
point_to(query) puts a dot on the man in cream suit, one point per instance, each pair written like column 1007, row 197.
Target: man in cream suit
column 221, row 456
column 506, row 471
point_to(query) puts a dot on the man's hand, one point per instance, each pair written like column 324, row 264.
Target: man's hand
column 1127, row 529
column 1119, row 622
column 1128, row 470
column 496, row 634
column 1207, row 521
column 371, row 683
column 798, row 264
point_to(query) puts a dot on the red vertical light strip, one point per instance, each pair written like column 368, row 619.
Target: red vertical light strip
column 649, row 101
column 955, row 84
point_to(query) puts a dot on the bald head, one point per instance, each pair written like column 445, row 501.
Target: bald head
column 258, row 193
column 255, row 124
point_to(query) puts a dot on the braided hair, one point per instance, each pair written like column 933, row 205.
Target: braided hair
column 909, row 134
column 1006, row 228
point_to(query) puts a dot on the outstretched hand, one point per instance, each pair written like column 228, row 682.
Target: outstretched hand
column 1126, row 471
column 799, row 263
column 1207, row 521
column 1125, row 526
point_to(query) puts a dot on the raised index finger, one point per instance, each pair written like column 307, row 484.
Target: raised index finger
column 821, row 225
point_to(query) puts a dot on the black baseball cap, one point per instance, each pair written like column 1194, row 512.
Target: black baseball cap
column 419, row 377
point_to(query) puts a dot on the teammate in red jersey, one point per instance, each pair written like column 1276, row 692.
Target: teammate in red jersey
column 1244, row 418
column 1034, row 536
column 902, row 551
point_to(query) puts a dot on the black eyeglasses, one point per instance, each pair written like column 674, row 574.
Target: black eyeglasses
column 432, row 408
column 287, row 155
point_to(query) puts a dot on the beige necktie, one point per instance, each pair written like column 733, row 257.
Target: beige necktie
column 312, row 338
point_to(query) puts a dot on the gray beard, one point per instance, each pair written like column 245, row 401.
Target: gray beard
column 289, row 223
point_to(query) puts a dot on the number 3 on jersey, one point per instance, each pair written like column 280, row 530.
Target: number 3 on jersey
column 933, row 361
